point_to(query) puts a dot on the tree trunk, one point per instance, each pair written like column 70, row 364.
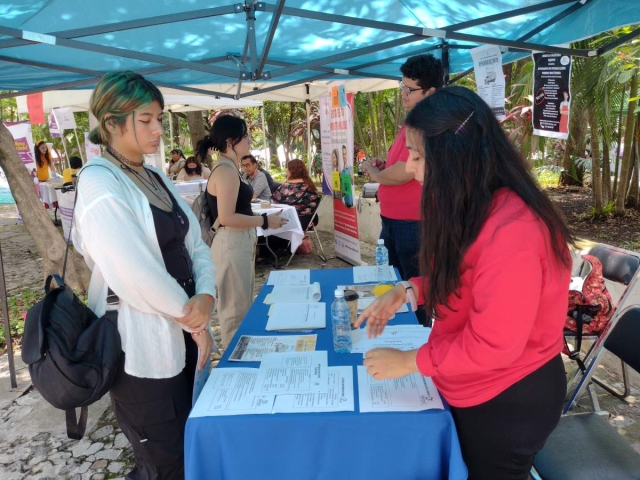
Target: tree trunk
column 195, row 120
column 175, row 121
column 374, row 133
column 382, row 134
column 617, row 167
column 606, row 173
column 632, row 196
column 358, row 129
column 628, row 151
column 598, row 203
column 45, row 235
column 575, row 143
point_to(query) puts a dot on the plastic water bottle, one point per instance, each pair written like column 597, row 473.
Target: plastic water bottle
column 341, row 322
column 382, row 261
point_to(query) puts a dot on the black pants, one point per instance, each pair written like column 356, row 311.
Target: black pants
column 500, row 438
column 152, row 414
column 402, row 239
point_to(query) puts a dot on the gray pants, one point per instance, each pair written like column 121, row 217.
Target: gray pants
column 233, row 251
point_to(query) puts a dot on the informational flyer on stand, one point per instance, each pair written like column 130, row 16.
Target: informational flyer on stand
column 551, row 95
column 487, row 63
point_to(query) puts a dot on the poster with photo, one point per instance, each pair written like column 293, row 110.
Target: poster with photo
column 551, row 95
column 347, row 242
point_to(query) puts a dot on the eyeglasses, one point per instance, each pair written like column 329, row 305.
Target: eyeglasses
column 407, row 90
column 245, row 165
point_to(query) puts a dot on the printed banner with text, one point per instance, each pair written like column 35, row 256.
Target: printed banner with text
column 23, row 141
column 551, row 95
column 487, row 63
column 345, row 215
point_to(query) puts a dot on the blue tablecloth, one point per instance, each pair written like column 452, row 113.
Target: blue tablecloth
column 332, row 446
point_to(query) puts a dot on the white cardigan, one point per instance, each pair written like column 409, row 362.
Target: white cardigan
column 113, row 230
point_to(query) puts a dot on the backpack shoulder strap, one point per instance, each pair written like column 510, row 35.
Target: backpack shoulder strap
column 76, row 426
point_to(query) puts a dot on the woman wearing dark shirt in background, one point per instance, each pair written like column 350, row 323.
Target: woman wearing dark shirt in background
column 229, row 199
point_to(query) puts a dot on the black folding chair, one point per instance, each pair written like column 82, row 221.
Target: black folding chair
column 618, row 269
column 585, row 446
column 311, row 229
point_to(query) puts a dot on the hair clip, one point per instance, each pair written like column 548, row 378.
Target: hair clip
column 464, row 123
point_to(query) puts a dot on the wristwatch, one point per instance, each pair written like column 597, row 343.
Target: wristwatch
column 411, row 298
column 265, row 221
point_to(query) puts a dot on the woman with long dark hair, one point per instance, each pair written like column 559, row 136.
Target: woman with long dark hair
column 44, row 161
column 495, row 272
column 229, row 198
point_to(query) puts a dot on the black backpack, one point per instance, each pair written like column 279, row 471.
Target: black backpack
column 73, row 355
column 200, row 208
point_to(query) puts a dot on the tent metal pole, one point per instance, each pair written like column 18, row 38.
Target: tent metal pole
column 122, row 52
column 551, row 21
column 307, row 103
column 285, row 85
column 131, row 24
column 342, row 56
column 618, row 42
column 396, row 57
column 7, row 326
column 275, row 18
column 510, row 14
column 445, row 62
column 251, row 38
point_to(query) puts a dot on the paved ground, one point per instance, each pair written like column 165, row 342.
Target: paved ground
column 33, row 444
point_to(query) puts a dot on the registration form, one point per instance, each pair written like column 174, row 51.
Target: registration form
column 339, row 397
column 228, row 391
column 302, row 372
column 411, row 393
column 289, row 277
column 402, row 337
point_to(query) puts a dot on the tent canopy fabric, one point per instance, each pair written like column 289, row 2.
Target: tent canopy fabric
column 78, row 101
column 258, row 47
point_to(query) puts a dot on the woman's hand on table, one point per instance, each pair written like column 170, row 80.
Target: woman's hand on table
column 205, row 343
column 381, row 310
column 388, row 363
column 197, row 313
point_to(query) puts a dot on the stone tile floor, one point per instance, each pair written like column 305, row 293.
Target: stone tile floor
column 33, row 444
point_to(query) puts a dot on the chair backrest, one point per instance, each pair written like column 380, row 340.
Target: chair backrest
column 624, row 338
column 618, row 268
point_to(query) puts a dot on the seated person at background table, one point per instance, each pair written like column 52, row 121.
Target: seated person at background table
column 300, row 192
column 255, row 178
column 229, row 199
column 272, row 185
column 176, row 162
column 495, row 270
column 193, row 170
column 44, row 161
column 69, row 174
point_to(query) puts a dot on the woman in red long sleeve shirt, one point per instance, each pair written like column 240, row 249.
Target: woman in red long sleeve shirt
column 495, row 272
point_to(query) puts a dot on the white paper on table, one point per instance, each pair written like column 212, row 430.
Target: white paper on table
column 251, row 348
column 401, row 337
column 289, row 277
column 200, row 379
column 369, row 274
column 294, row 294
column 366, row 301
column 228, row 392
column 411, row 393
column 297, row 316
column 339, row 398
column 300, row 372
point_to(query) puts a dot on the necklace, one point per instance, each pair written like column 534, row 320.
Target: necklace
column 122, row 158
column 158, row 191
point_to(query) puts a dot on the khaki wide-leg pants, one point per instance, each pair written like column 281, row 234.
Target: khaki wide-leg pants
column 233, row 251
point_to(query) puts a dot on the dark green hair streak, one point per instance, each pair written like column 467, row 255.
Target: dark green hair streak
column 117, row 95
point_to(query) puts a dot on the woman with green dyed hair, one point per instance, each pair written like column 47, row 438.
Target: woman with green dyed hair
column 143, row 244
